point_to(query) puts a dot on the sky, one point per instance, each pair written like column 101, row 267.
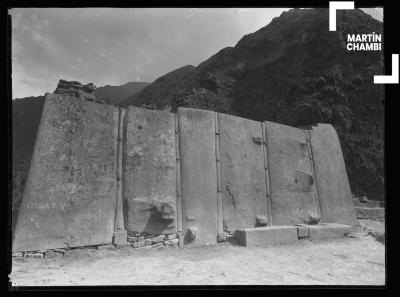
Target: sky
column 113, row 46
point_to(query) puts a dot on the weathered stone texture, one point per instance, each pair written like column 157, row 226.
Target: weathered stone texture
column 302, row 231
column 198, row 175
column 292, row 184
column 171, row 242
column 369, row 213
column 266, row 236
column 53, row 255
column 364, row 202
column 149, row 171
column 69, row 197
column 171, row 236
column 70, row 194
column 33, row 255
column 331, row 177
column 328, row 230
column 77, row 90
column 242, row 172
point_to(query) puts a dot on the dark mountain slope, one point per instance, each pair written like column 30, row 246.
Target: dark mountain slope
column 115, row 94
column 26, row 114
column 295, row 71
column 160, row 88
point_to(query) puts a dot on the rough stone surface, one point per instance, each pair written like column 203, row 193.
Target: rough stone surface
column 155, row 246
column 138, row 244
column 293, row 195
column 302, row 231
column 242, row 171
column 150, row 171
column 180, row 239
column 331, row 177
column 106, row 247
column 120, row 237
column 159, row 245
column 221, row 237
column 328, row 230
column 123, row 245
column 132, row 238
column 262, row 220
column 198, row 174
column 266, row 236
column 369, row 212
column 34, row 255
column 72, row 202
column 69, row 197
column 172, row 236
column 171, row 242
column 361, row 202
column 79, row 252
column 17, row 254
column 77, row 90
column 53, row 255
column 158, row 239
column 313, row 219
column 60, row 250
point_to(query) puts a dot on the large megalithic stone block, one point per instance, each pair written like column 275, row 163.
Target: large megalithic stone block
column 69, row 196
column 149, row 172
column 292, row 183
column 242, row 172
column 198, row 176
column 331, row 177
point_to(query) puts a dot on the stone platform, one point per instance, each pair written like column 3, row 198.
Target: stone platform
column 275, row 235
column 369, row 213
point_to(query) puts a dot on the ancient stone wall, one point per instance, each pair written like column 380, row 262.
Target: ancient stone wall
column 193, row 177
column 69, row 197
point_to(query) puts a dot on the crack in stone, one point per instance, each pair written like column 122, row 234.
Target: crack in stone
column 231, row 195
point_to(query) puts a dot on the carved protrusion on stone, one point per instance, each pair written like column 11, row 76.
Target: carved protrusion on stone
column 166, row 211
column 261, row 220
column 302, row 181
column 189, row 218
column 313, row 218
column 257, row 140
column 192, row 232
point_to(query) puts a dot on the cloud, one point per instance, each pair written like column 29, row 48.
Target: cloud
column 114, row 46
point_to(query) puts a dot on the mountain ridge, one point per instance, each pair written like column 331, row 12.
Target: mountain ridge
column 294, row 71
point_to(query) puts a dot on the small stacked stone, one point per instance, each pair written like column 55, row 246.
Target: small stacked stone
column 152, row 241
column 41, row 254
column 55, row 253
column 137, row 241
column 225, row 236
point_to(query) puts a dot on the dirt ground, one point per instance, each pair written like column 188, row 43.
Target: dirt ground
column 358, row 259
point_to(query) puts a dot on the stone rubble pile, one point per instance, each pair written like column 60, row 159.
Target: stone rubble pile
column 138, row 241
column 77, row 90
column 148, row 241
